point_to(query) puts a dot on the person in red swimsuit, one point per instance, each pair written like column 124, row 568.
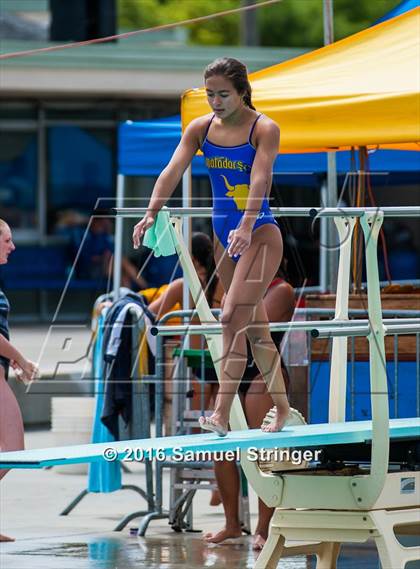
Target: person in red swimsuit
column 279, row 303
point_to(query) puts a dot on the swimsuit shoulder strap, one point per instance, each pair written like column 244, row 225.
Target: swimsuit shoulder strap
column 207, row 130
column 252, row 129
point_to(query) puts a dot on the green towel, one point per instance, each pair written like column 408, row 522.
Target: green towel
column 159, row 236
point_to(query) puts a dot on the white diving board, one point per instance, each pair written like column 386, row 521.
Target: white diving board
column 298, row 436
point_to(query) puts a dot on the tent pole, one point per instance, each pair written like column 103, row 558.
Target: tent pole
column 323, row 231
column 328, row 13
column 331, row 201
column 186, row 229
column 118, row 238
column 332, row 248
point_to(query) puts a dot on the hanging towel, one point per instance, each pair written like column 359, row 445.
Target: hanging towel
column 159, row 237
column 103, row 476
column 117, row 353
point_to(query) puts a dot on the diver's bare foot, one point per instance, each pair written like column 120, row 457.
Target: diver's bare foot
column 258, row 542
column 278, row 421
column 215, row 499
column 4, row 538
column 226, row 533
column 213, row 424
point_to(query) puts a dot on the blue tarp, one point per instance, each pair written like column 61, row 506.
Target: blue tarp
column 402, row 7
column 144, row 149
column 402, row 401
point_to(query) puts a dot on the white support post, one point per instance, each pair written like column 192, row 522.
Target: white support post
column 118, row 238
column 366, row 489
column 338, row 369
column 186, row 232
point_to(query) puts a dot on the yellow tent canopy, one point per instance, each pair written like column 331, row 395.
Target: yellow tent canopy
column 360, row 91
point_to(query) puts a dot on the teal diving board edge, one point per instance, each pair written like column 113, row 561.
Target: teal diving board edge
column 300, row 436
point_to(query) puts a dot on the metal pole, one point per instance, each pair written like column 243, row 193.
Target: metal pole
column 328, row 13
column 359, row 312
column 365, row 330
column 118, row 238
column 186, row 229
column 248, row 25
column 42, row 175
column 208, row 211
column 332, row 196
column 323, row 236
column 418, row 374
column 316, row 327
column 399, row 211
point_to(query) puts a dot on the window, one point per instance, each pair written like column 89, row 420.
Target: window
column 19, row 179
column 80, row 169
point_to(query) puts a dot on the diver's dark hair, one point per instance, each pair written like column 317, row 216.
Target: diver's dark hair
column 202, row 251
column 282, row 271
column 237, row 74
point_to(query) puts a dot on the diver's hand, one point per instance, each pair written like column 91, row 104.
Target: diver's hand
column 142, row 226
column 25, row 370
column 239, row 241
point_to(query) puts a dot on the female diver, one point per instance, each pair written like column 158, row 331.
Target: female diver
column 240, row 146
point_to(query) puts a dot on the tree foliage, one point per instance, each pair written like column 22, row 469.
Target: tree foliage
column 290, row 23
column 299, row 23
column 136, row 14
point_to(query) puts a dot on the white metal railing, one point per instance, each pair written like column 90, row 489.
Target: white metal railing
column 406, row 211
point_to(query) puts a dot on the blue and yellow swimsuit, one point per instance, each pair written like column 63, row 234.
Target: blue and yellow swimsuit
column 4, row 327
column 230, row 175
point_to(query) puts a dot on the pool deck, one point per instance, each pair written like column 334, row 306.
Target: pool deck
column 31, row 501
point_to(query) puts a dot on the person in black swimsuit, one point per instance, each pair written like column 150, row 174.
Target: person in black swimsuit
column 11, row 424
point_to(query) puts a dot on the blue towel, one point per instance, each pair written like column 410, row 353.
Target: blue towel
column 103, row 476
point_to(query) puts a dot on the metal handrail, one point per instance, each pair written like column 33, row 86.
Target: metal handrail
column 343, row 326
column 365, row 330
column 312, row 212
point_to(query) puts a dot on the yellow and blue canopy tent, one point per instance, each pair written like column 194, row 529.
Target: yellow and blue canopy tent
column 360, row 91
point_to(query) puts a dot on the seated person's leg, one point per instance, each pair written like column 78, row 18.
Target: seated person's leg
column 257, row 403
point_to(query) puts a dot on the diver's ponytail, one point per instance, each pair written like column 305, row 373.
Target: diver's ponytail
column 247, row 98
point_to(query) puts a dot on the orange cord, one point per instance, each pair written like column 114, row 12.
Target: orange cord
column 136, row 32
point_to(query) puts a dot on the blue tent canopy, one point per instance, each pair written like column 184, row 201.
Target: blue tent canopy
column 402, row 8
column 144, row 149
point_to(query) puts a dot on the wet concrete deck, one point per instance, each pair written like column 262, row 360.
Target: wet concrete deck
column 31, row 501
column 167, row 552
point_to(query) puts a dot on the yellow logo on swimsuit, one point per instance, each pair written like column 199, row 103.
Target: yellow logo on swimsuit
column 218, row 162
column 239, row 193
